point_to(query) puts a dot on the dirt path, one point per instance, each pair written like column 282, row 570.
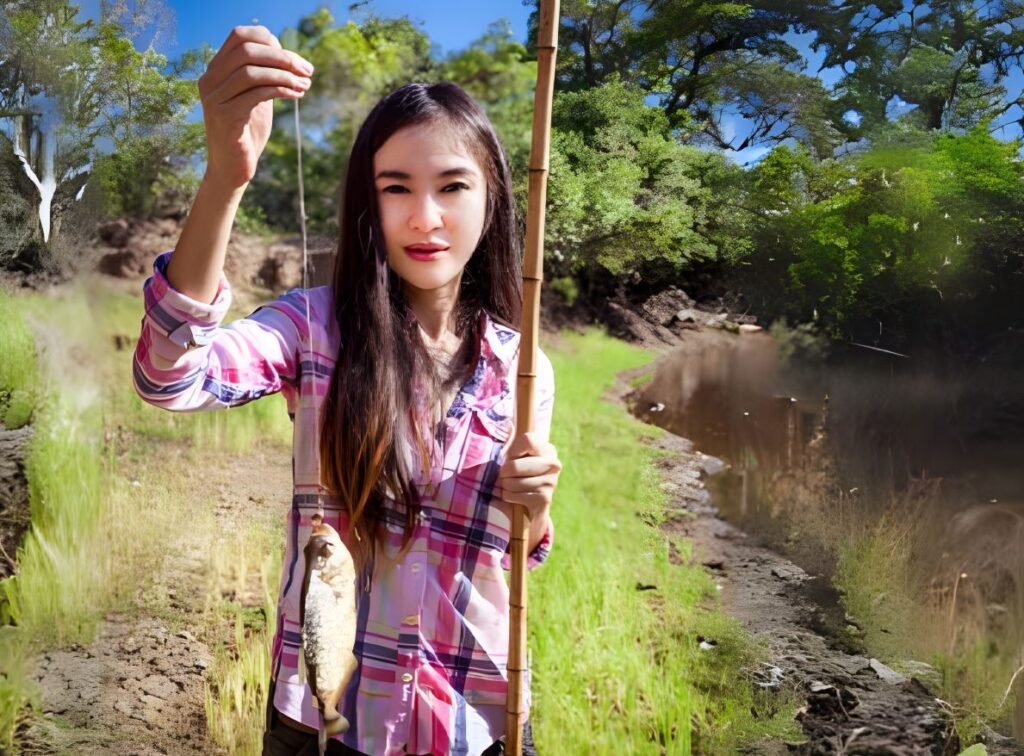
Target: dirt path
column 138, row 688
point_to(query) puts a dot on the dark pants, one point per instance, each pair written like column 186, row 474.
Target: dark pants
column 283, row 740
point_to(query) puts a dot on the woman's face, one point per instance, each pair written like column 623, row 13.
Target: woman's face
column 432, row 197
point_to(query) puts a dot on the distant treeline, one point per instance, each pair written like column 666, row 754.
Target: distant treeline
column 882, row 209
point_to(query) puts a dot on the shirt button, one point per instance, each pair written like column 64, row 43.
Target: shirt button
column 411, row 619
column 416, row 567
column 407, row 677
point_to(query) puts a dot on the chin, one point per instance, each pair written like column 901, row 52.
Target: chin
column 427, row 280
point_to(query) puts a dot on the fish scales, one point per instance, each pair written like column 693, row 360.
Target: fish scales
column 328, row 609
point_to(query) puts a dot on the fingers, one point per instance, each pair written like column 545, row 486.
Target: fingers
column 251, row 77
column 252, row 57
column 530, row 444
column 534, row 501
column 256, row 54
column 536, row 483
column 242, row 105
column 242, row 34
column 542, row 461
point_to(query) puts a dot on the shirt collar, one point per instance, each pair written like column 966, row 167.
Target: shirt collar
column 502, row 340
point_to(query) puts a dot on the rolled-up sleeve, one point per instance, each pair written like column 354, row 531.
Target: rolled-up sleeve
column 185, row 360
column 545, row 399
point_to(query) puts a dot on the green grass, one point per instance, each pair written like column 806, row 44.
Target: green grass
column 237, row 684
column 95, row 537
column 616, row 670
column 881, row 588
column 18, row 366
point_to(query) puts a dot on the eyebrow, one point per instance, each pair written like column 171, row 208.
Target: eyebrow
column 403, row 176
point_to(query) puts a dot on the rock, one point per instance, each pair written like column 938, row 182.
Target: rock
column 887, row 674
column 919, row 670
column 159, row 686
column 282, row 269
column 121, row 264
column 115, row 233
column 712, row 465
column 827, row 699
column 661, row 309
column 687, row 316
column 123, row 705
column 789, row 572
column 748, row 328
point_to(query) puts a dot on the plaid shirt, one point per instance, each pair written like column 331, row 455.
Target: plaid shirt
column 432, row 636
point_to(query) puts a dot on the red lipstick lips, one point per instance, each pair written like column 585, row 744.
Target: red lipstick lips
column 425, row 252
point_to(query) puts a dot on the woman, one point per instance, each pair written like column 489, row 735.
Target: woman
column 400, row 381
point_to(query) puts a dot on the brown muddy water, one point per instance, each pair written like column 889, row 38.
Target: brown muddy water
column 903, row 487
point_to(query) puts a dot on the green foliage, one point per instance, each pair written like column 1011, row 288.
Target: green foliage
column 910, row 222
column 565, row 286
column 86, row 108
column 625, row 197
column 951, row 61
column 147, row 171
column 701, row 59
column 18, row 371
column 494, row 69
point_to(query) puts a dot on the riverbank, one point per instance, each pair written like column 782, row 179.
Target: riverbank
column 817, row 649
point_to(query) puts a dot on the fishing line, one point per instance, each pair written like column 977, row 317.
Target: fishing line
column 305, row 276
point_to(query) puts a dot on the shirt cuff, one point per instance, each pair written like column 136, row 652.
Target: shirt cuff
column 187, row 322
column 540, row 552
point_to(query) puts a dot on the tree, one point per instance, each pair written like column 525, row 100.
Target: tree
column 626, row 199
column 705, row 61
column 497, row 73
column 49, row 96
column 913, row 234
column 70, row 88
column 951, row 60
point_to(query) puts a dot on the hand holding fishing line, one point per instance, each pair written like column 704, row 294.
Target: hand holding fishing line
column 237, row 92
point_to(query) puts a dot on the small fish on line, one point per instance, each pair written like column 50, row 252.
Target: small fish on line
column 327, row 610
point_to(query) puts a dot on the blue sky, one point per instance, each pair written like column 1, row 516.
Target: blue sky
column 450, row 24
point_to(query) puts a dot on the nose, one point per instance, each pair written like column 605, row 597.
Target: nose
column 426, row 214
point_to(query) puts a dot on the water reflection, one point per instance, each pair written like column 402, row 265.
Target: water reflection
column 906, row 482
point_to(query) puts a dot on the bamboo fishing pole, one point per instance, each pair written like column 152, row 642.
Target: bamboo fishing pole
column 533, row 275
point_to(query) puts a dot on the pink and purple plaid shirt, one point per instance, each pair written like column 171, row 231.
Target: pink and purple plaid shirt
column 432, row 638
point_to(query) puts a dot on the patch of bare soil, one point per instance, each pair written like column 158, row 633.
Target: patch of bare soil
column 138, row 688
column 853, row 704
column 14, row 504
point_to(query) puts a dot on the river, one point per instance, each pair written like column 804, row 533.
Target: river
column 900, row 483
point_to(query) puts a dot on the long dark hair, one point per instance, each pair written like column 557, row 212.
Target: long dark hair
column 368, row 419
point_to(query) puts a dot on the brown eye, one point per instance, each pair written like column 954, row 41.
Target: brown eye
column 457, row 185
